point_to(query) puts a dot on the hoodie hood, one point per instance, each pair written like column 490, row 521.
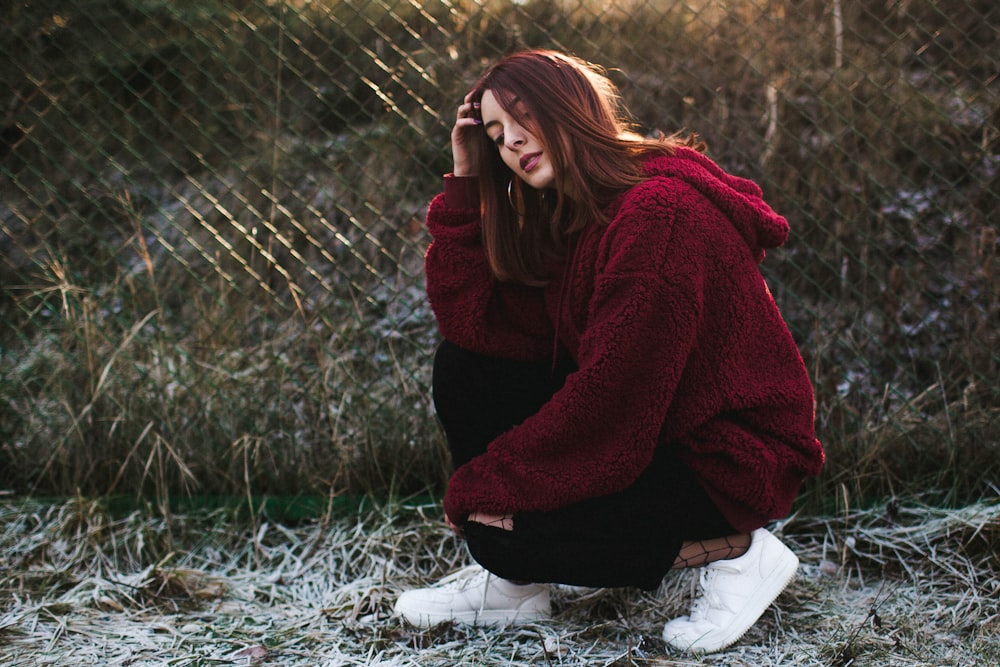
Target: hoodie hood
column 739, row 199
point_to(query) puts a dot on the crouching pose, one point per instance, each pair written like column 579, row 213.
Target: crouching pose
column 619, row 392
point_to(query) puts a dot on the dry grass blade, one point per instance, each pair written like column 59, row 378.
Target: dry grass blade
column 895, row 585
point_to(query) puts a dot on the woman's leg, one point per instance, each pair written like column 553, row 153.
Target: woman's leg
column 664, row 520
column 477, row 397
column 631, row 538
column 703, row 552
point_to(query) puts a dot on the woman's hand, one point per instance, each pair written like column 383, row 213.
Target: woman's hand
column 463, row 142
column 455, row 529
column 506, row 521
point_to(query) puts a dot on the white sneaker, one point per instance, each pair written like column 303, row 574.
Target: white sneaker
column 734, row 594
column 474, row 596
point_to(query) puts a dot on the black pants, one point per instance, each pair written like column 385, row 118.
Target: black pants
column 630, row 538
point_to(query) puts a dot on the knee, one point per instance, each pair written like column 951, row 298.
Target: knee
column 451, row 371
column 448, row 358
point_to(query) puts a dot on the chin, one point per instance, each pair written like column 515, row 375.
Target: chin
column 541, row 181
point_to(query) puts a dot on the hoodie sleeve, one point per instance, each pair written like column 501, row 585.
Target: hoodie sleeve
column 473, row 309
column 600, row 430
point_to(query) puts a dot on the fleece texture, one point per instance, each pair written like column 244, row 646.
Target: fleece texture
column 677, row 340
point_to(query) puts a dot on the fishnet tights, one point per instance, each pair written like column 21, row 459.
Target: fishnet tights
column 696, row 554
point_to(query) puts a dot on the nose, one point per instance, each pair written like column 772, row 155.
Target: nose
column 514, row 139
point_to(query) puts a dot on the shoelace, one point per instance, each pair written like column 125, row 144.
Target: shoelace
column 464, row 578
column 470, row 577
column 707, row 598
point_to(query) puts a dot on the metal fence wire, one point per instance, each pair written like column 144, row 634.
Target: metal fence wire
column 212, row 223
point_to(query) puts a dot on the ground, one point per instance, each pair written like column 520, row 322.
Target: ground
column 893, row 585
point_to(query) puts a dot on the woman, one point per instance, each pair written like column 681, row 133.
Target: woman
column 618, row 389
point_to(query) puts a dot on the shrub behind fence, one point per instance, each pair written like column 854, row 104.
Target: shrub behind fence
column 212, row 224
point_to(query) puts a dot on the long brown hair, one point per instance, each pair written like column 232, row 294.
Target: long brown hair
column 577, row 112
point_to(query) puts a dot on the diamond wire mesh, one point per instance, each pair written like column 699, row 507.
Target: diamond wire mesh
column 212, row 222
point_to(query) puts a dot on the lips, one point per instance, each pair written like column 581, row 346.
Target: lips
column 530, row 161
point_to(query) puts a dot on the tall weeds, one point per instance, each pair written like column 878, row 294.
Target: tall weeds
column 212, row 227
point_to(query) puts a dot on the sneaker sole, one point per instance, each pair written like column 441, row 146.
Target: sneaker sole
column 487, row 618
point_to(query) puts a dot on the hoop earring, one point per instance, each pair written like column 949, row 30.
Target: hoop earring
column 510, row 197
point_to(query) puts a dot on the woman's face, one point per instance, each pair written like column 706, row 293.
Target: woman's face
column 523, row 152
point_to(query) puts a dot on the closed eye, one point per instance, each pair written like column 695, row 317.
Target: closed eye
column 498, row 140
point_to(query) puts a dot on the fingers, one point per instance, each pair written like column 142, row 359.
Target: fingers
column 455, row 529
column 468, row 115
column 463, row 145
column 504, row 522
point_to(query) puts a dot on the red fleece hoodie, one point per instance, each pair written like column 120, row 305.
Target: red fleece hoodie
column 677, row 340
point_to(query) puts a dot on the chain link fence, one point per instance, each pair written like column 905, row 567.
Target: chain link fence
column 212, row 224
